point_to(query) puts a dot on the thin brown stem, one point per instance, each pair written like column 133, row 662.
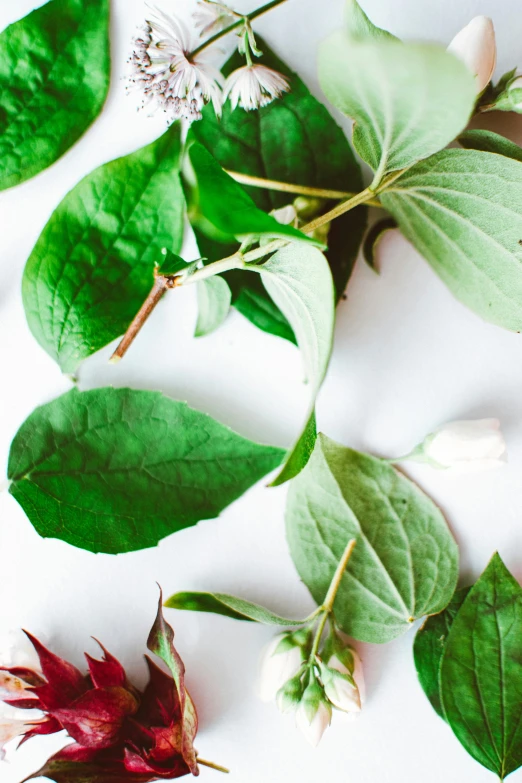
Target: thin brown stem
column 161, row 284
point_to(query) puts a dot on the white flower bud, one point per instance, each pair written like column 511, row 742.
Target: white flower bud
column 466, row 446
column 313, row 715
column 475, row 45
column 285, row 215
column 357, row 674
column 341, row 690
column 277, row 668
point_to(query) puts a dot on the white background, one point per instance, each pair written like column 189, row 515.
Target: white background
column 407, row 358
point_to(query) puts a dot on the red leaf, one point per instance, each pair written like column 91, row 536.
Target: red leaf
column 96, row 718
column 65, row 682
column 139, row 766
column 160, row 704
column 43, row 728
column 28, row 676
column 107, row 673
column 72, row 772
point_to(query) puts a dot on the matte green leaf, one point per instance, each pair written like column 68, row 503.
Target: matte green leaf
column 429, row 645
column 359, row 26
column 373, row 238
column 93, row 264
column 54, row 78
column 408, row 100
column 228, row 606
column 293, row 140
column 487, row 141
column 171, row 263
column 299, row 281
column 227, row 205
column 481, row 686
column 116, row 470
column 405, row 563
column 214, row 299
column 462, row 209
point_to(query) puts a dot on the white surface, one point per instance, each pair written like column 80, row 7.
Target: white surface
column 407, row 358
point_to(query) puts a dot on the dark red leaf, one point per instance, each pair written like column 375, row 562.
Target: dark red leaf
column 107, row 673
column 28, row 676
column 139, row 766
column 160, row 704
column 23, row 703
column 96, row 718
column 65, row 682
column 72, row 772
column 43, row 728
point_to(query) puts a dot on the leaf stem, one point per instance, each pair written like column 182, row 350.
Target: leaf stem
column 340, row 209
column 250, row 17
column 286, row 187
column 213, row 766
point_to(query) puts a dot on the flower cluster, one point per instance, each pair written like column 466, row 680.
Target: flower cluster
column 180, row 81
column 310, row 684
column 118, row 731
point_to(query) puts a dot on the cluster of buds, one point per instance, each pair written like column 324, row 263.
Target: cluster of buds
column 181, row 81
column 119, row 732
column 312, row 683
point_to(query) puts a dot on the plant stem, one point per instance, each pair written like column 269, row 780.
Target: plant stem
column 262, row 10
column 327, row 607
column 213, row 766
column 340, row 209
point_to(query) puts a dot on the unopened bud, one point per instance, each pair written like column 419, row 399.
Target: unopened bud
column 475, row 45
column 313, row 714
column 280, row 662
column 289, row 696
column 341, row 689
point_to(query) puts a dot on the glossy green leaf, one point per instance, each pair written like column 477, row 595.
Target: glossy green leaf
column 293, row 140
column 228, row 606
column 405, row 563
column 54, row 78
column 428, row 648
column 408, row 100
column 487, row 141
column 480, row 680
column 116, row 470
column 462, row 209
column 299, row 281
column 229, row 208
column 373, row 238
column 214, row 300
column 93, row 264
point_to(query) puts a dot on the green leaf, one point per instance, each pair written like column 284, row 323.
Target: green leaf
column 405, row 563
column 462, row 210
column 408, row 100
column 481, row 686
column 373, row 238
column 487, row 141
column 228, row 606
column 360, row 27
column 93, row 264
column 214, row 299
column 63, row 771
column 429, row 645
column 293, row 140
column 116, row 470
column 171, row 264
column 229, row 208
column 299, row 281
column 54, row 78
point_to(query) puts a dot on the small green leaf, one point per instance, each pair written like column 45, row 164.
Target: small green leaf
column 116, row 470
column 408, row 100
column 54, row 78
column 373, row 238
column 405, row 563
column 481, row 686
column 227, row 205
column 360, row 27
column 93, row 265
column 429, row 645
column 299, row 281
column 487, row 141
column 214, row 299
column 171, row 264
column 228, row 606
column 462, row 209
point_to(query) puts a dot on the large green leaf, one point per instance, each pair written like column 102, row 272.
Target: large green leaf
column 408, row 100
column 428, row 648
column 293, row 140
column 116, row 470
column 360, row 27
column 405, row 564
column 480, row 676
column 299, row 281
column 54, row 77
column 487, row 141
column 462, row 209
column 228, row 606
column 93, row 264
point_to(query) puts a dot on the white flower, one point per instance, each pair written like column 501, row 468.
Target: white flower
column 253, row 86
column 285, row 215
column 277, row 668
column 162, row 68
column 313, row 721
column 475, row 45
column 466, row 445
column 212, row 17
column 357, row 674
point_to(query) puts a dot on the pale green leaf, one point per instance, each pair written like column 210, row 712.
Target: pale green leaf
column 487, row 141
column 228, row 606
column 462, row 209
column 405, row 562
column 214, row 299
column 359, row 26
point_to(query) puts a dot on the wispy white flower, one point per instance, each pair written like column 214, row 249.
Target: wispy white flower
column 254, row 86
column 464, row 446
column 13, row 725
column 162, row 68
column 277, row 667
column 212, row 17
column 476, row 46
